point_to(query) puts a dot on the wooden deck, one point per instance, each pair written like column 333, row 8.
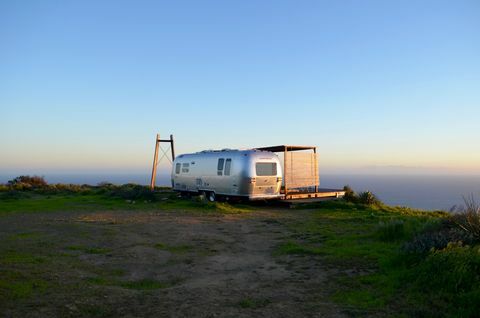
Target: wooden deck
column 319, row 194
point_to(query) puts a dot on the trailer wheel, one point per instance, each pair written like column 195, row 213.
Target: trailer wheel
column 211, row 196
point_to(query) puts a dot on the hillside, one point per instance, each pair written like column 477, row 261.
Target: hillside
column 112, row 251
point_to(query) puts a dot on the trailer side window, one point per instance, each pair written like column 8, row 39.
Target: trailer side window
column 185, row 167
column 266, row 168
column 228, row 164
column 220, row 166
column 177, row 168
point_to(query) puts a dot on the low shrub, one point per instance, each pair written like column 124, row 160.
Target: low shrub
column 27, row 182
column 468, row 218
column 437, row 239
column 131, row 191
column 454, row 268
column 368, row 198
column 350, row 195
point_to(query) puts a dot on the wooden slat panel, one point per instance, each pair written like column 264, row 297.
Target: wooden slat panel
column 301, row 170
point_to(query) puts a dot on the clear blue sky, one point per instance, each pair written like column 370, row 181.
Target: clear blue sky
column 382, row 86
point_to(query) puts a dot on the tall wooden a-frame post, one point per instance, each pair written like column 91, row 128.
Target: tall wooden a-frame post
column 155, row 156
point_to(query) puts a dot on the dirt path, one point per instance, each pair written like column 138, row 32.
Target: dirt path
column 159, row 264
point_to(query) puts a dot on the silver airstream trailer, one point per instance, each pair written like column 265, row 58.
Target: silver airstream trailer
column 251, row 174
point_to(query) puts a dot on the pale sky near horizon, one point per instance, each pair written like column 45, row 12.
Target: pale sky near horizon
column 378, row 86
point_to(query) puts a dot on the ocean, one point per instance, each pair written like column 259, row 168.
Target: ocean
column 427, row 192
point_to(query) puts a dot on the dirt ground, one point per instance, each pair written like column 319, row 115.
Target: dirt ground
column 159, row 264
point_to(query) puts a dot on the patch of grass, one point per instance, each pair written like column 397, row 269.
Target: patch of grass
column 102, row 198
column 253, row 303
column 88, row 249
column 369, row 240
column 391, row 230
column 142, row 284
column 14, row 257
column 298, row 249
column 103, row 281
column 25, row 235
column 15, row 285
column 174, row 249
column 59, row 202
column 362, row 299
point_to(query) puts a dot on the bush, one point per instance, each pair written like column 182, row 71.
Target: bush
column 366, row 197
column 131, row 191
column 350, row 195
column 437, row 239
column 468, row 218
column 27, row 182
column 455, row 268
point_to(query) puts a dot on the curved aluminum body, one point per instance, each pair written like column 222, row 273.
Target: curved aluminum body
column 253, row 174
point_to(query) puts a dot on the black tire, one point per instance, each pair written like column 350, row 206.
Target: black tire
column 211, row 196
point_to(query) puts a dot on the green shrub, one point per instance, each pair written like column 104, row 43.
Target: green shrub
column 350, row 195
column 453, row 269
column 468, row 218
column 436, row 239
column 131, row 191
column 368, row 198
column 27, row 182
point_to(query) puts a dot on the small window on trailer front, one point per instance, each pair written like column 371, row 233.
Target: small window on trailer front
column 228, row 164
column 185, row 167
column 266, row 168
column 220, row 166
column 177, row 168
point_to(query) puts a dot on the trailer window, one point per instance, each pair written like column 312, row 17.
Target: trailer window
column 266, row 168
column 177, row 168
column 220, row 166
column 228, row 164
column 185, row 167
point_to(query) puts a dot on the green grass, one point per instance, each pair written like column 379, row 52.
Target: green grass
column 142, row 284
column 296, row 248
column 19, row 277
column 15, row 257
column 89, row 249
column 369, row 239
column 61, row 202
column 32, row 202
column 253, row 303
column 175, row 249
column 339, row 235
column 19, row 287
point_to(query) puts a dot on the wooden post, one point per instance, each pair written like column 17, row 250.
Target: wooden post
column 285, row 170
column 172, row 148
column 316, row 168
column 155, row 162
